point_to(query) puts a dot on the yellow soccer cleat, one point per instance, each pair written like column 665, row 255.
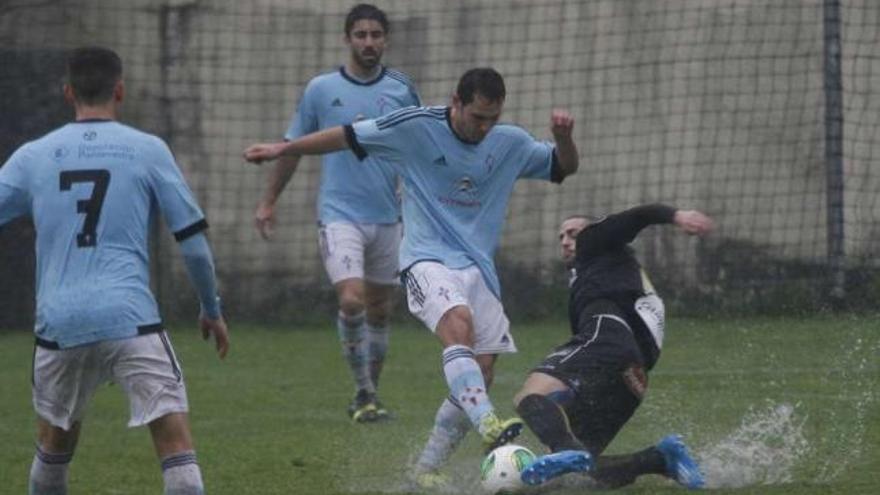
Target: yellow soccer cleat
column 431, row 481
column 497, row 432
column 363, row 408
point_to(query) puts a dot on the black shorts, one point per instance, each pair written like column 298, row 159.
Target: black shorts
column 604, row 368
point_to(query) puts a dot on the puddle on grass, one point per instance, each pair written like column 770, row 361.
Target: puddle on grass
column 776, row 442
column 765, row 448
column 844, row 443
column 773, row 445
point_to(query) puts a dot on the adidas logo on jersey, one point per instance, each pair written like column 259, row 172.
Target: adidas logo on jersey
column 441, row 162
column 336, row 102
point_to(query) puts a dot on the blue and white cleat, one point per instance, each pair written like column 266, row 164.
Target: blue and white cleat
column 680, row 466
column 553, row 465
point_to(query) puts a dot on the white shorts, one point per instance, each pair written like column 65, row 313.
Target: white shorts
column 145, row 366
column 432, row 289
column 365, row 251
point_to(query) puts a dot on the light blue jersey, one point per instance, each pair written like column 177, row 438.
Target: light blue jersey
column 91, row 188
column 455, row 192
column 349, row 191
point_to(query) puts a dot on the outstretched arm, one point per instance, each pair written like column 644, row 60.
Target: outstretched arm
column 620, row 229
column 316, row 143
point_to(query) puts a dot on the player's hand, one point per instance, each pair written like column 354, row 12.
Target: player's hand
column 693, row 222
column 264, row 219
column 217, row 328
column 561, row 124
column 261, row 152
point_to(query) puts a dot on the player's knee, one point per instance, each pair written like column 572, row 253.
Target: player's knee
column 350, row 294
column 456, row 327
column 171, row 434
column 53, row 439
column 351, row 305
column 519, row 396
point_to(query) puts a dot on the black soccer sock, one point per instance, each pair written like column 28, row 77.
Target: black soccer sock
column 549, row 423
column 614, row 471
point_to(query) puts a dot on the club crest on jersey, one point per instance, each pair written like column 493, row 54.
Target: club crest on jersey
column 489, row 162
column 465, row 192
column 466, row 185
column 382, row 104
column 60, row 152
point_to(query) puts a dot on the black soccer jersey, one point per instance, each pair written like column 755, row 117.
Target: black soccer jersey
column 606, row 269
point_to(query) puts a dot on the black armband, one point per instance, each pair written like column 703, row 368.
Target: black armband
column 191, row 230
column 353, row 143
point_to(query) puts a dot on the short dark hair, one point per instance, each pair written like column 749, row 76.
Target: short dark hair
column 93, row 72
column 485, row 81
column 365, row 11
column 588, row 218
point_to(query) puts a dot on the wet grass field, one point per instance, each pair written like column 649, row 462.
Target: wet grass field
column 768, row 406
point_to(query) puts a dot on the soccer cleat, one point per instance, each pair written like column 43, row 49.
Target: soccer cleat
column 430, row 480
column 680, row 466
column 553, row 465
column 496, row 432
column 363, row 407
column 382, row 414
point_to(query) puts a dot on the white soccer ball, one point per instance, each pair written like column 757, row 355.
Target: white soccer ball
column 500, row 470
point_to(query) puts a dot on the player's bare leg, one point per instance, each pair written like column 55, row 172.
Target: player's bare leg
column 55, row 448
column 174, row 448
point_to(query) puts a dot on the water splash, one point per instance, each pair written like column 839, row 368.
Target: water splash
column 859, row 391
column 763, row 450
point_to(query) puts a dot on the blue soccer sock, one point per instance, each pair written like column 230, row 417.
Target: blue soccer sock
column 353, row 336
column 451, row 425
column 378, row 348
column 49, row 473
column 182, row 475
column 466, row 384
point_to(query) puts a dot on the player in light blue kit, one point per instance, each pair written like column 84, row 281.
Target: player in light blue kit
column 91, row 187
column 459, row 169
column 358, row 207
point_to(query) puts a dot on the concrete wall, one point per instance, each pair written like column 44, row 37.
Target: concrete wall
column 698, row 103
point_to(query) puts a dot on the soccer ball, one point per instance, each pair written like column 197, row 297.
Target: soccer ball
column 500, row 470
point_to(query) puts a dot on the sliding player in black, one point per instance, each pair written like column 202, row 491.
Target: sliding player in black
column 581, row 395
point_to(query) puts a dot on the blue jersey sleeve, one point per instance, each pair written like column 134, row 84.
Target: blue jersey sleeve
column 14, row 198
column 537, row 159
column 412, row 96
column 174, row 197
column 200, row 266
column 415, row 100
column 385, row 138
column 305, row 119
